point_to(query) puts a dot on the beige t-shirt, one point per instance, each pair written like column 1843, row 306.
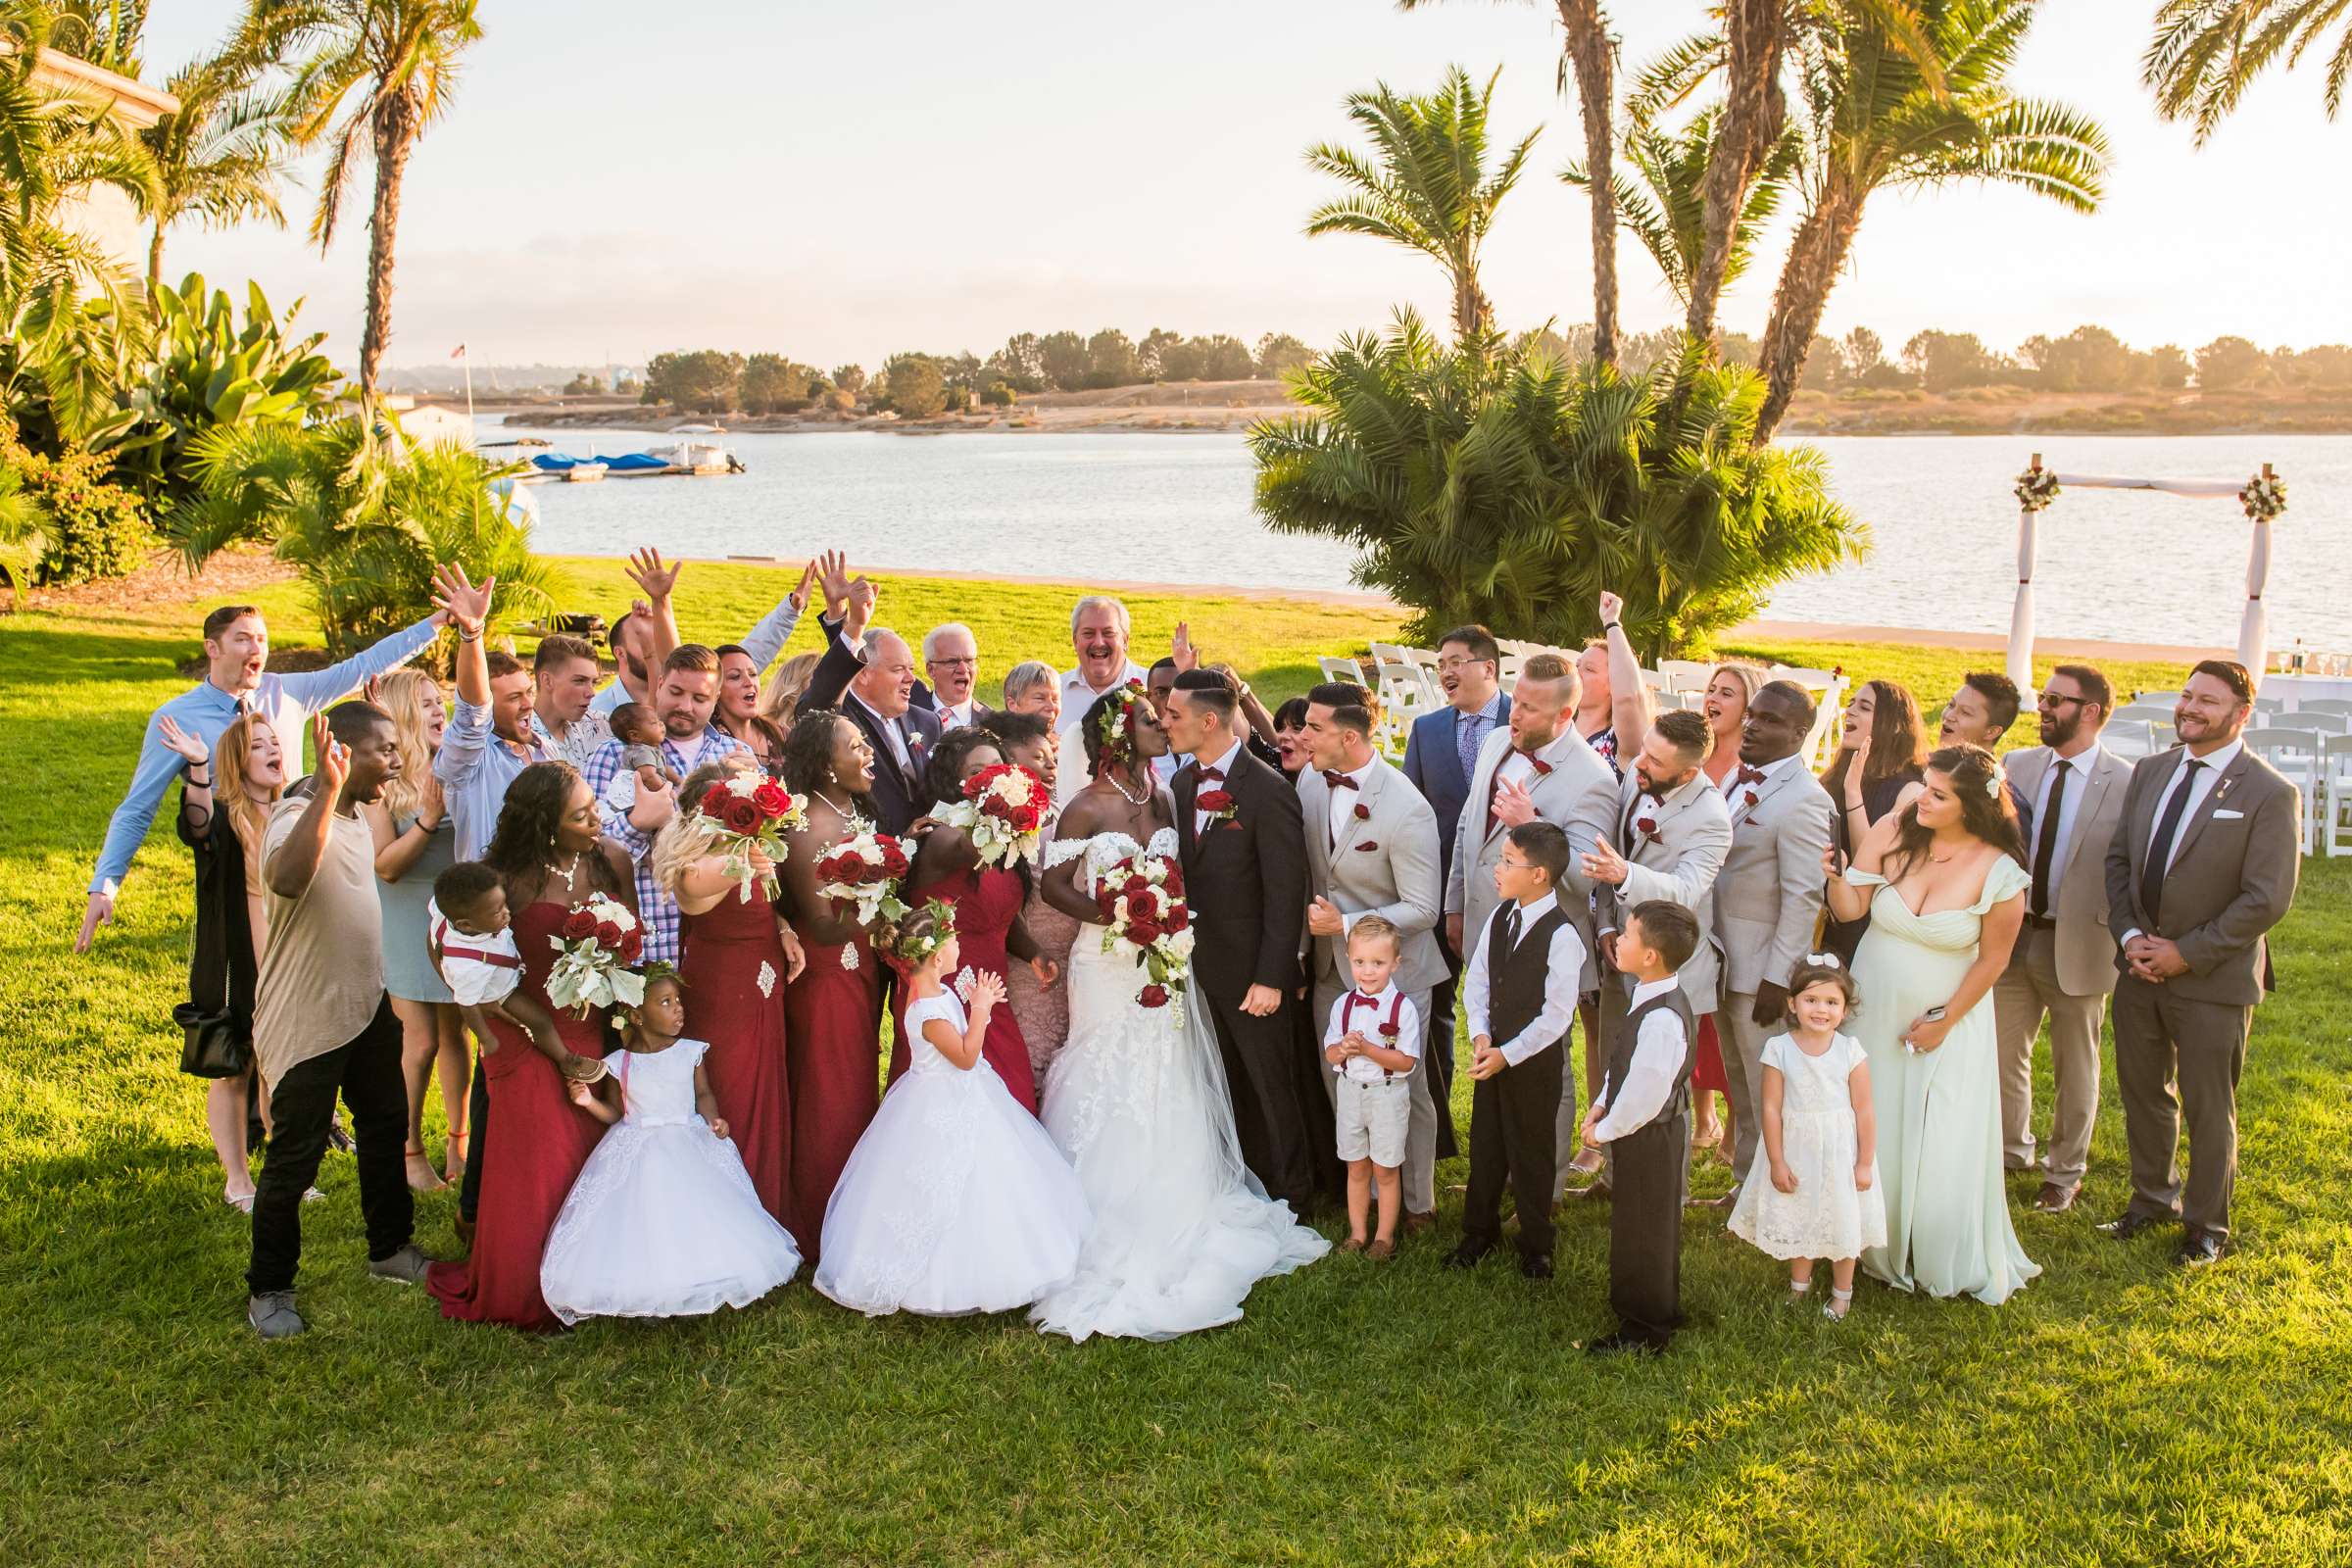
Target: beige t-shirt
column 322, row 974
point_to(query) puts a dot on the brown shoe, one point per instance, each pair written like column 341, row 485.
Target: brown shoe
column 1381, row 1250
column 1351, row 1245
column 2054, row 1199
column 1416, row 1222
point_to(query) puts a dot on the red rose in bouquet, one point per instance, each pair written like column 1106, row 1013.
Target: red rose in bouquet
column 579, row 924
column 894, row 857
column 714, row 803
column 741, row 815
column 771, row 799
column 607, row 935
column 633, row 947
column 1154, row 997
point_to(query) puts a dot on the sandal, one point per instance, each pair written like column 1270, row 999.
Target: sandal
column 427, row 1181
column 1797, row 1293
column 1838, row 1305
column 242, row 1202
column 453, row 1158
column 1587, row 1160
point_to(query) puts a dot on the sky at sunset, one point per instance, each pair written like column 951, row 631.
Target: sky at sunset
column 839, row 182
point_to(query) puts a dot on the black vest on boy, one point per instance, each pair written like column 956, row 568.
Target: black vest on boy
column 1628, row 1036
column 1518, row 978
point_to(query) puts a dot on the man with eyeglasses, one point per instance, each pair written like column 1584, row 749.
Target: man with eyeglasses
column 951, row 661
column 2063, row 966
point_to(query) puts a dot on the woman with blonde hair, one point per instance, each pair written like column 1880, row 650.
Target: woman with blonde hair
column 224, row 803
column 781, row 701
column 414, row 843
column 735, row 958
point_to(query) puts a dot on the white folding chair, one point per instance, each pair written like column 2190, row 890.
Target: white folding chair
column 2164, row 700
column 2336, row 796
column 2326, row 705
column 2311, row 720
column 2270, row 706
column 1685, row 674
column 1347, row 669
column 2153, row 712
column 2297, row 755
column 2129, row 738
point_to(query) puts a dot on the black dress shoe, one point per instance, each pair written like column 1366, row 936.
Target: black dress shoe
column 1536, row 1265
column 2130, row 1225
column 1468, row 1254
column 2199, row 1251
column 1623, row 1343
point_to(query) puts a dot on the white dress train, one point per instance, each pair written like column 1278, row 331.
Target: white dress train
column 1139, row 1103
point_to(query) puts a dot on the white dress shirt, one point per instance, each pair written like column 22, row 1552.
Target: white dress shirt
column 956, row 716
column 1734, row 790
column 2216, row 763
column 1656, row 1067
column 1369, row 1016
column 1520, row 771
column 2079, row 770
column 1344, row 801
column 1202, row 820
column 1567, row 958
column 890, row 728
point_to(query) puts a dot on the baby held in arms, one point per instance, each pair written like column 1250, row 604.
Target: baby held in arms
column 638, row 728
column 471, row 939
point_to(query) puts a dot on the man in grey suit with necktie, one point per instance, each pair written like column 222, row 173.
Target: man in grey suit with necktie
column 1372, row 848
column 2203, row 866
column 2063, row 966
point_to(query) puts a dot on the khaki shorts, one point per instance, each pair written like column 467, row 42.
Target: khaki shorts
column 1373, row 1118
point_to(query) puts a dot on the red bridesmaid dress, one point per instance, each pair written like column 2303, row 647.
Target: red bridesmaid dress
column 987, row 900
column 832, row 1061
column 527, row 1170
column 733, row 966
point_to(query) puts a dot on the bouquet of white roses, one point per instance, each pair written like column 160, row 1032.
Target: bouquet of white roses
column 598, row 941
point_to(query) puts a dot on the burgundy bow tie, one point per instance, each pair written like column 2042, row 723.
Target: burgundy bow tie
column 1216, row 773
column 1369, row 1002
column 1541, row 768
column 1338, row 781
column 1751, row 775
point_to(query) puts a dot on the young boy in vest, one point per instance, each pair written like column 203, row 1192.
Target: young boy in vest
column 1373, row 1043
column 1520, row 988
column 1643, row 1116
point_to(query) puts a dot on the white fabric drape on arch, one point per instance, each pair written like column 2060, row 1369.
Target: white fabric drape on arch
column 2253, row 626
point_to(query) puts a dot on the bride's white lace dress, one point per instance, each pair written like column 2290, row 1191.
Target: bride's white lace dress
column 1182, row 1230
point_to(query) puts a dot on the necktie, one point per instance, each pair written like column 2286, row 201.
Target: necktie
column 1469, row 729
column 1510, row 929
column 2045, row 845
column 1338, row 781
column 2160, row 848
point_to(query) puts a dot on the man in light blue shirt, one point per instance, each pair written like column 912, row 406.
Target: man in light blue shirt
column 489, row 739
column 236, row 646
column 642, row 640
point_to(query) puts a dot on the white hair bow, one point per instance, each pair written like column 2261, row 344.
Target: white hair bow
column 1992, row 785
column 1824, row 960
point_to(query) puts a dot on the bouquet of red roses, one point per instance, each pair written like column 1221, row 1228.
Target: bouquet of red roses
column 1141, row 899
column 597, row 942
column 751, row 812
column 1003, row 812
column 865, row 871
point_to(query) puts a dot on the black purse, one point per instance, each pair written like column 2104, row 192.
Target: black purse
column 213, row 1048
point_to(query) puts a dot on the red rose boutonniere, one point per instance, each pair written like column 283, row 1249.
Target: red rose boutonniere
column 1364, row 812
column 1647, row 826
column 1217, row 804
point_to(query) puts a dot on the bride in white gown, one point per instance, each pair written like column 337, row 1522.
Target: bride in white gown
column 1138, row 1101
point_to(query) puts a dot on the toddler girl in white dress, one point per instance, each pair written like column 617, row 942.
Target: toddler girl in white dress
column 955, row 1199
column 1813, row 1190
column 663, row 1220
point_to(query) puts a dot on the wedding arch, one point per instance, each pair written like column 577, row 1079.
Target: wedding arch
column 2263, row 499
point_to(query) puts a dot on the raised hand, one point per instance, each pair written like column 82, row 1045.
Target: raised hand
column 988, row 992
column 648, row 570
column 1604, row 864
column 800, row 594
column 859, row 610
column 1514, row 803
column 833, row 570
column 178, row 740
column 457, row 601
column 334, row 758
column 1186, row 657
column 1612, row 607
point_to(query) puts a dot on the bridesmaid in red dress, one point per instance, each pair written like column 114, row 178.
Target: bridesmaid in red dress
column 735, row 962
column 550, row 855
column 833, row 1011
column 988, row 902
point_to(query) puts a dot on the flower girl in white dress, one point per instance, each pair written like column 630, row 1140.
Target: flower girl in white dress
column 1815, row 1193
column 955, row 1199
column 663, row 1220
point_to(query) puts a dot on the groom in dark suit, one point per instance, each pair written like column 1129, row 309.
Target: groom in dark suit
column 2203, row 866
column 1242, row 843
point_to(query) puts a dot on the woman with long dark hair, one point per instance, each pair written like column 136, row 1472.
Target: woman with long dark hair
column 1290, row 737
column 550, row 854
column 1881, row 742
column 1042, row 1007
column 833, row 1012
column 1943, row 880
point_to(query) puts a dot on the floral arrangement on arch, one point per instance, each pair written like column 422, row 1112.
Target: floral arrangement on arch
column 2264, row 497
column 1003, row 812
column 595, row 946
column 2036, row 488
column 749, row 812
column 1116, row 729
column 1144, row 917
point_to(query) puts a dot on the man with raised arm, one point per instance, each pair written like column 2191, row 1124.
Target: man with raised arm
column 642, row 639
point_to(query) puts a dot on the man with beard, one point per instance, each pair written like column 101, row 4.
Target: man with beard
column 1768, row 897
column 1672, row 831
column 2063, row 965
column 643, row 637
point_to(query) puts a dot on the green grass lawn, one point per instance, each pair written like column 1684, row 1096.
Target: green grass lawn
column 2117, row 1411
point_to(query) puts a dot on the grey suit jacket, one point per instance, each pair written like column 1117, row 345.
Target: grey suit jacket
column 2086, row 946
column 1693, row 835
column 1767, row 896
column 1579, row 793
column 2232, row 875
column 1385, row 864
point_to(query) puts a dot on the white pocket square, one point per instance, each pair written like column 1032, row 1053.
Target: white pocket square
column 2221, row 815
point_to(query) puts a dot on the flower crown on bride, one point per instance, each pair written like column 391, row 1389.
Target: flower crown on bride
column 1116, row 729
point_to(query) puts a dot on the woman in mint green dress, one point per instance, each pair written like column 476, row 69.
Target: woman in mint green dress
column 1943, row 881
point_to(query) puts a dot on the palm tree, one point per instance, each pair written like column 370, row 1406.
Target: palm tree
column 221, row 157
column 2206, row 53
column 24, row 532
column 1426, row 184
column 1876, row 120
column 1663, row 200
column 1513, row 492
column 107, row 34
column 398, row 59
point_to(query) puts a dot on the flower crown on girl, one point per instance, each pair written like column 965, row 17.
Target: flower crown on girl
column 921, row 934
column 1116, row 729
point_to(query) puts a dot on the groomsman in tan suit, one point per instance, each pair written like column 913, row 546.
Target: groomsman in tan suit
column 1372, row 848
column 2204, row 866
column 2064, row 963
column 1767, row 896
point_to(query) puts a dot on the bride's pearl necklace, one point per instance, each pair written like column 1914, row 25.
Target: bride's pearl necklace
column 1131, row 800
